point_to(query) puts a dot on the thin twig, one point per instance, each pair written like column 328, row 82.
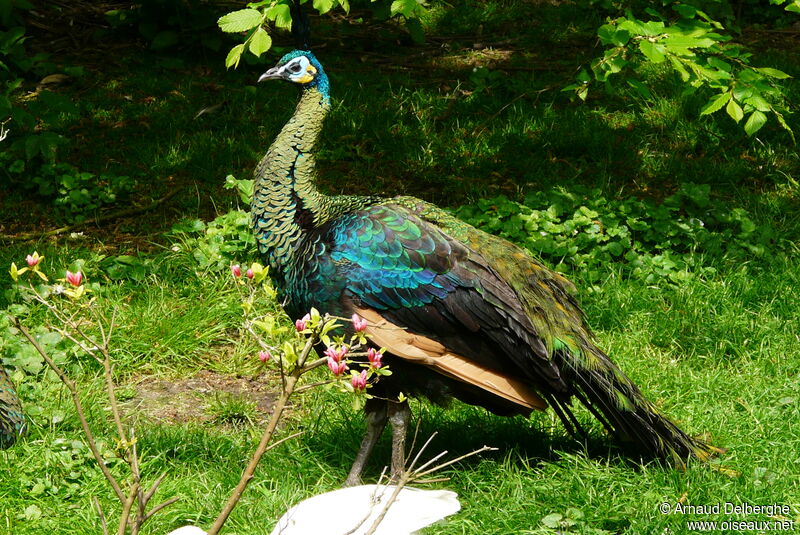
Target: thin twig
column 159, row 507
column 100, row 513
column 309, row 386
column 281, row 441
column 277, row 411
column 132, row 457
column 70, row 384
column 452, row 461
column 413, row 475
column 154, row 487
column 419, row 453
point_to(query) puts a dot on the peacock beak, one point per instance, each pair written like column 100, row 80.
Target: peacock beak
column 273, row 74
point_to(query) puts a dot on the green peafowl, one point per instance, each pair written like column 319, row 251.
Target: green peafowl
column 461, row 313
column 12, row 419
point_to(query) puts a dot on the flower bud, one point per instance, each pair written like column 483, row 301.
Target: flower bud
column 264, row 356
column 338, row 368
column 236, row 270
column 359, row 323
column 359, row 381
column 302, row 323
column 74, row 279
column 374, row 356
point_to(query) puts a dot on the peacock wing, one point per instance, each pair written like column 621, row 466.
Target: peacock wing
column 441, row 302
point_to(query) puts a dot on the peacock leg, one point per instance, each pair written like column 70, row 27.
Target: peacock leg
column 399, row 416
column 375, row 410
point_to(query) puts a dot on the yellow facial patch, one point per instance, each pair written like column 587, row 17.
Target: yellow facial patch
column 304, row 79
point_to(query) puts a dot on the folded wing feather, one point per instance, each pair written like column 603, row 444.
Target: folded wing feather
column 427, row 352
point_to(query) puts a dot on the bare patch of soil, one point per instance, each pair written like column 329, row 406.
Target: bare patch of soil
column 185, row 400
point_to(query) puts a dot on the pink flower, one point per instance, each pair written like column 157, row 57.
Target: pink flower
column 74, row 278
column 264, row 356
column 359, row 323
column 374, row 357
column 338, row 368
column 336, row 354
column 359, row 381
column 33, row 259
column 249, row 274
column 301, row 324
column 236, row 270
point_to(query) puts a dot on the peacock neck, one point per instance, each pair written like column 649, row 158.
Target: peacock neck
column 286, row 202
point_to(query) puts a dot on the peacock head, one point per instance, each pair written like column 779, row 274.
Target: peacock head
column 300, row 67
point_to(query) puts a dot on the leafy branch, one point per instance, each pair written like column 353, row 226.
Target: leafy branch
column 253, row 20
column 697, row 48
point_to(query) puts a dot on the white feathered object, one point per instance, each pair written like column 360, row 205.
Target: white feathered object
column 352, row 511
column 340, row 511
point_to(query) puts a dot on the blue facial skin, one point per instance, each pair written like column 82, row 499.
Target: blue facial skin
column 320, row 81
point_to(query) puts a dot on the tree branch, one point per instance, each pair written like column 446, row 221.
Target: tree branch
column 70, row 384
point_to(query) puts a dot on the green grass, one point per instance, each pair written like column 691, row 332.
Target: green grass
column 718, row 352
column 718, row 355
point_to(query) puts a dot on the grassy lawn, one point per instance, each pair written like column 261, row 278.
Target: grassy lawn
column 714, row 341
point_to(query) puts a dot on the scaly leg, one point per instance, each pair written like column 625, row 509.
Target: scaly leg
column 376, row 416
column 399, row 416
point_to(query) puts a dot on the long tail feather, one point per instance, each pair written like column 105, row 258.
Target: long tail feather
column 619, row 404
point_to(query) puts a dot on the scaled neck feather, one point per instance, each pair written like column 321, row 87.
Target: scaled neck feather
column 286, row 203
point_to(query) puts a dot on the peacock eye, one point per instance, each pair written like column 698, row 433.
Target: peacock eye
column 295, row 67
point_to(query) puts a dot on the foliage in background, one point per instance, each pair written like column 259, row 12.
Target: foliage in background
column 581, row 229
column 681, row 34
column 684, row 37
column 31, row 124
column 16, row 64
column 575, row 229
column 166, row 24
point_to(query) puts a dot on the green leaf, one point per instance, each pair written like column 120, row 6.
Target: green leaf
column 553, row 520
column 794, row 6
column 681, row 43
column 621, row 37
column 323, row 6
column 719, row 64
column 403, row 7
column 758, row 102
column 686, row 11
column 240, row 21
column 260, row 42
column 281, row 14
column 773, row 73
column 734, row 110
column 716, row 103
column 615, row 248
column 755, row 122
column 678, row 66
column 234, row 56
column 783, row 123
column 606, row 33
column 652, row 51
